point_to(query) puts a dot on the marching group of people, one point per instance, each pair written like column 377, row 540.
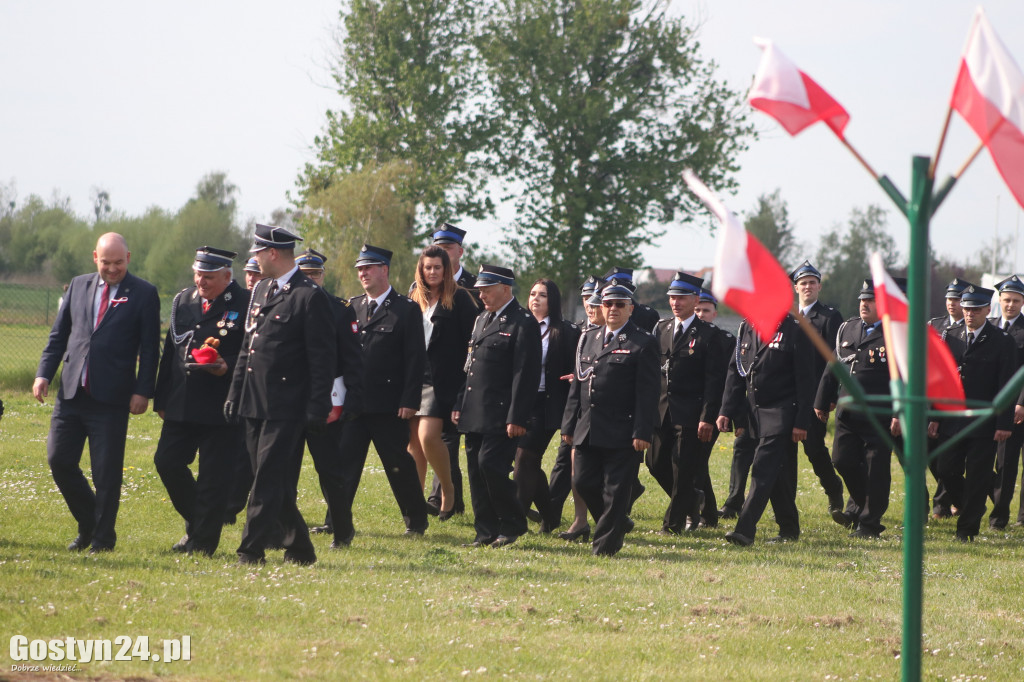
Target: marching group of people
column 250, row 377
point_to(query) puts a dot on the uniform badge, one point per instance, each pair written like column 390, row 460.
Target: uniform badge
column 223, row 332
column 503, row 318
column 692, row 342
column 232, row 314
column 221, row 323
column 622, row 338
column 355, row 327
column 286, row 287
column 227, row 297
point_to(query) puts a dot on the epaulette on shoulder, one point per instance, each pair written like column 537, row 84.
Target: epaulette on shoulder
column 573, row 325
column 851, row 319
column 345, row 301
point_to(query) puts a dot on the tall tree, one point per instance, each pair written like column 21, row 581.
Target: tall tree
column 844, row 255
column 407, row 74
column 603, row 103
column 363, row 206
column 770, row 224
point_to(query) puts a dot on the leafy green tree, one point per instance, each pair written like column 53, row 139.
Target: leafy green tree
column 602, row 104
column 844, row 255
column 770, row 224
column 366, row 206
column 407, row 74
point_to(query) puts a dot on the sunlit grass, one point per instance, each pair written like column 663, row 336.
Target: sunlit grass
column 695, row 607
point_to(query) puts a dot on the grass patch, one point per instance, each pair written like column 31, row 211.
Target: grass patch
column 391, row 607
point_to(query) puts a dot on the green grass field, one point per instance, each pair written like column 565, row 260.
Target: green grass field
column 389, row 607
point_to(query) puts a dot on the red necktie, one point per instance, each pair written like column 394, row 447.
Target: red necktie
column 206, row 307
column 104, row 303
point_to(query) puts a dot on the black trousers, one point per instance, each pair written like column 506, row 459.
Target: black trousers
column 200, row 500
column 241, row 480
column 496, row 507
column 560, row 481
column 604, row 479
column 742, row 458
column 105, row 427
column 390, row 437
column 864, row 461
column 275, row 448
column 672, row 460
column 528, row 474
column 818, row 455
column 325, row 450
column 702, row 481
column 1007, row 464
column 450, row 435
column 967, row 474
column 771, row 480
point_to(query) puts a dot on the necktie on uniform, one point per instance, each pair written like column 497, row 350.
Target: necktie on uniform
column 273, row 290
column 488, row 319
column 206, row 306
column 371, row 308
column 1006, row 325
column 608, row 339
column 104, row 303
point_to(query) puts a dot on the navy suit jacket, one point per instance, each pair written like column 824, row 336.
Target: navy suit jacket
column 129, row 332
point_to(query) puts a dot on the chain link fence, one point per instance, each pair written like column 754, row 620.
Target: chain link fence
column 27, row 313
column 26, row 316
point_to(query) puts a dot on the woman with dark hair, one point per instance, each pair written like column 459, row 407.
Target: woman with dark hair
column 449, row 312
column 558, row 352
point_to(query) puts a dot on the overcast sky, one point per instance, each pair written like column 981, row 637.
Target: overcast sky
column 142, row 99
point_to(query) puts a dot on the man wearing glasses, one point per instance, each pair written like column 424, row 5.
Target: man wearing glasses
column 611, row 414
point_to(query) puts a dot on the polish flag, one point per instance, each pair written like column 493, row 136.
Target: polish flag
column 790, row 96
column 942, row 376
column 747, row 277
column 989, row 94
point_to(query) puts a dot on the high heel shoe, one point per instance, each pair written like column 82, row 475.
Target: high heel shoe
column 574, row 535
column 445, row 515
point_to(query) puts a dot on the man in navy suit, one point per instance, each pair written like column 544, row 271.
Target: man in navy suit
column 107, row 322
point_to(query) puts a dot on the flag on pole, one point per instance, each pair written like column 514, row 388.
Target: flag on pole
column 747, row 278
column 943, row 377
column 790, row 96
column 989, row 94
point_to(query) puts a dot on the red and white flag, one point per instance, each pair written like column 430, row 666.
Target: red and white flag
column 790, row 96
column 747, row 277
column 943, row 377
column 989, row 94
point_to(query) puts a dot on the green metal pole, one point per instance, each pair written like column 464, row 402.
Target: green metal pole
column 915, row 425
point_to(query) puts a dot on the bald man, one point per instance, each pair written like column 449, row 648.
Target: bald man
column 108, row 322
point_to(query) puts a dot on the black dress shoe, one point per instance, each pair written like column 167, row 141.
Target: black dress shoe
column 548, row 527
column 997, row 524
column 780, row 538
column 727, row 513
column 250, row 559
column 317, row 530
column 630, row 525
column 504, row 540
column 840, row 517
column 433, row 508
column 80, row 543
column 739, row 539
column 299, row 559
column 181, row 546
column 534, row 515
column 963, row 538
column 865, row 534
column 340, row 543
column 100, row 549
column 445, row 515
column 228, row 520
column 482, row 542
column 574, row 535
column 414, row 532
column 670, row 531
